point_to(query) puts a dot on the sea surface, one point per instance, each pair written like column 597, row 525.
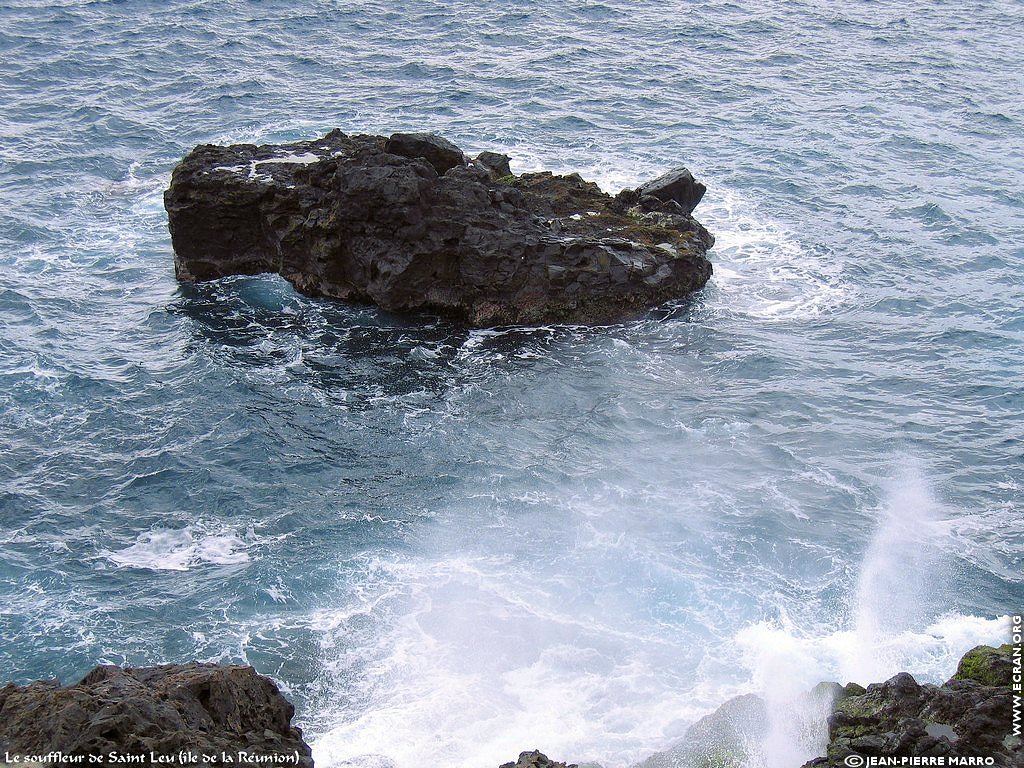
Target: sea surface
column 451, row 545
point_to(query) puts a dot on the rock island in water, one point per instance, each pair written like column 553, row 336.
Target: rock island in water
column 410, row 224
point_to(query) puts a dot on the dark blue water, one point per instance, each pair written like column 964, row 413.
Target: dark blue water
column 456, row 545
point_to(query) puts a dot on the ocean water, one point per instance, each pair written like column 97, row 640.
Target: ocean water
column 453, row 545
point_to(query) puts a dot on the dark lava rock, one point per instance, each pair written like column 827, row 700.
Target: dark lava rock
column 900, row 718
column 204, row 709
column 677, row 186
column 436, row 150
column 497, row 164
column 406, row 224
column 535, row 759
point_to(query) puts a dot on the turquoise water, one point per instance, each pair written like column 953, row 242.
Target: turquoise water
column 452, row 544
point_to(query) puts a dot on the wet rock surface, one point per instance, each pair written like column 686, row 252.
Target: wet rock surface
column 535, row 759
column 201, row 709
column 409, row 224
column 966, row 717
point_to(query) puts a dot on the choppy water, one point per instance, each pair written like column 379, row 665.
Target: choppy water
column 455, row 545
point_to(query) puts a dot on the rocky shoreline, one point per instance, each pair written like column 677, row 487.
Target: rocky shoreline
column 184, row 714
column 409, row 223
column 968, row 718
column 193, row 714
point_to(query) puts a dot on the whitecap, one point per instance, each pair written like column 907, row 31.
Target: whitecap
column 179, row 550
column 763, row 270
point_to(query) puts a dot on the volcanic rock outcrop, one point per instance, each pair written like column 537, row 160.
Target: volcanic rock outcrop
column 410, row 224
column 969, row 716
column 536, row 759
column 188, row 713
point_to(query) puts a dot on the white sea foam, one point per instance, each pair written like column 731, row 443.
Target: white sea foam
column 469, row 659
column 250, row 168
column 608, row 172
column 179, row 550
column 762, row 270
column 474, row 660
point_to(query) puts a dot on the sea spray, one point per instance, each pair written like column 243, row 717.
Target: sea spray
column 902, row 577
column 785, row 666
column 898, row 625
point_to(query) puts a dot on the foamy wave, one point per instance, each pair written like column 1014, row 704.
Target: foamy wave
column 472, row 663
column 179, row 550
column 761, row 269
